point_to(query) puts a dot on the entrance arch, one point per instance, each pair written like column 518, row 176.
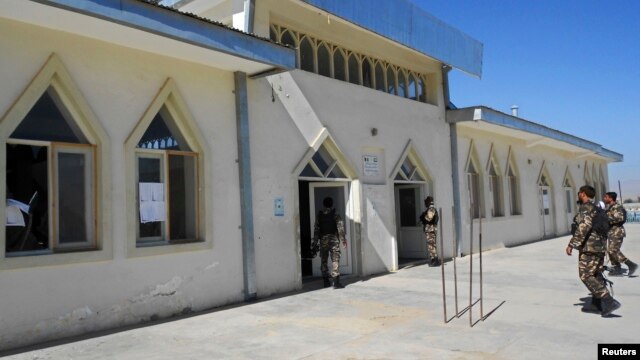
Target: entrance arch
column 325, row 171
column 412, row 183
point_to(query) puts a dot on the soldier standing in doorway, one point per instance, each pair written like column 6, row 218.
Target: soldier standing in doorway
column 429, row 219
column 329, row 232
column 591, row 247
column 617, row 217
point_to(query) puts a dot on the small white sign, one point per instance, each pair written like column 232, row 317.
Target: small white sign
column 371, row 165
column 278, row 206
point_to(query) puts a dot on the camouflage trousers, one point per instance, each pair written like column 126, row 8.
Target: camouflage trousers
column 590, row 269
column 431, row 236
column 330, row 245
column 613, row 249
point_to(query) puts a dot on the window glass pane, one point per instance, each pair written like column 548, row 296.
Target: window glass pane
column 402, row 84
column 411, row 85
column 422, row 90
column 74, row 197
column 182, row 196
column 407, row 168
column 338, row 66
column 380, row 78
column 308, row 172
column 149, row 170
column 354, row 76
column 324, row 58
column 337, row 173
column 408, row 213
column 162, row 134
column 322, row 159
column 367, row 73
column 391, row 81
column 48, row 120
column 568, row 193
column 288, row 39
column 26, row 176
column 496, row 189
column 272, row 34
column 306, row 55
column 475, row 194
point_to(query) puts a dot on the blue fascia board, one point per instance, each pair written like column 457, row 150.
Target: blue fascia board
column 172, row 24
column 491, row 116
column 409, row 25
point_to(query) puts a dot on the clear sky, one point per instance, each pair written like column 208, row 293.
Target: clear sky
column 572, row 65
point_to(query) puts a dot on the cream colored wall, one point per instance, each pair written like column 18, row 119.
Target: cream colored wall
column 517, row 229
column 42, row 303
column 348, row 112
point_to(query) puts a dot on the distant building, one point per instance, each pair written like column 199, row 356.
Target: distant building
column 161, row 162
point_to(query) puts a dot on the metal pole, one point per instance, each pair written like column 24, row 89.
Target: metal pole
column 455, row 255
column 471, row 267
column 480, row 251
column 444, row 296
column 620, row 191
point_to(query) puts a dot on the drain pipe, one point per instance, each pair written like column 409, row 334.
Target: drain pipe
column 246, row 192
column 249, row 10
column 455, row 174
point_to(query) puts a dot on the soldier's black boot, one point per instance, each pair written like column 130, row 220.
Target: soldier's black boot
column 325, row 282
column 616, row 270
column 632, row 266
column 609, row 305
column 436, row 262
column 336, row 283
column 594, row 307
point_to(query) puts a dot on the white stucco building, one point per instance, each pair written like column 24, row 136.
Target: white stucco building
column 159, row 163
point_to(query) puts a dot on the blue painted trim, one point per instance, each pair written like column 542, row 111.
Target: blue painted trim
column 172, row 24
column 409, row 25
column 491, row 116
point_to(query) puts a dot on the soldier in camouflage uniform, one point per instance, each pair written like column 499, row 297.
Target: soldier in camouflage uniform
column 429, row 219
column 616, row 215
column 591, row 247
column 328, row 231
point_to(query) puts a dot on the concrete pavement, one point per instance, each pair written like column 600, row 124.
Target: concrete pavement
column 532, row 295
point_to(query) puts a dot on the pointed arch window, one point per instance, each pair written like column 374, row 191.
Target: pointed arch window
column 324, row 59
column 166, row 170
column 513, row 186
column 495, row 185
column 323, row 165
column 54, row 149
column 569, row 190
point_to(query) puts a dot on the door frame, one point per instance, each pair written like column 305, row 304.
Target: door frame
column 346, row 254
column 419, row 196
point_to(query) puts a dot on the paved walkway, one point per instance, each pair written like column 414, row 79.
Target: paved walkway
column 532, row 295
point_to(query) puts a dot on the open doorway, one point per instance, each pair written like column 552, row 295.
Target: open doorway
column 412, row 244
column 311, row 194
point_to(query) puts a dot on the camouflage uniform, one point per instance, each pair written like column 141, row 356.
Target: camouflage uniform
column 329, row 244
column 430, row 231
column 591, row 247
column 616, row 234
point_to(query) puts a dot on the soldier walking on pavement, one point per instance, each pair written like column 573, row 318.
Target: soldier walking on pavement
column 329, row 232
column 617, row 217
column 591, row 247
column 429, row 219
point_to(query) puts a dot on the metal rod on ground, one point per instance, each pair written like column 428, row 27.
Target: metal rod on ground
column 444, row 296
column 455, row 255
column 471, row 267
column 480, row 252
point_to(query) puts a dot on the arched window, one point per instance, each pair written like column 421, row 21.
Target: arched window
column 339, row 65
column 391, row 80
column 380, row 77
column 307, row 58
column 54, row 149
column 402, row 83
column 354, row 69
column 412, row 87
column 367, row 72
column 324, row 59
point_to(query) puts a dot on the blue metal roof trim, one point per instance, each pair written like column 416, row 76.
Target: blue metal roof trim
column 181, row 27
column 404, row 22
column 499, row 118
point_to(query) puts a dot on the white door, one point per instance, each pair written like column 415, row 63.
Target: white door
column 411, row 240
column 545, row 210
column 338, row 191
